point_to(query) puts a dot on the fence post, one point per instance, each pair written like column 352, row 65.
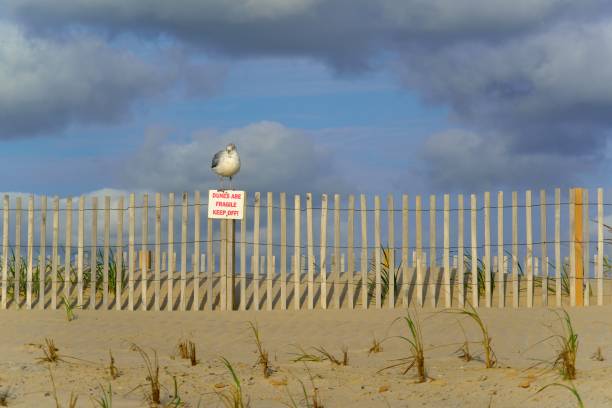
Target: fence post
column 578, row 249
column 391, row 249
column 600, row 247
column 419, row 249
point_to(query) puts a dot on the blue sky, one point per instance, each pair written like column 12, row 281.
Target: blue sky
column 321, row 96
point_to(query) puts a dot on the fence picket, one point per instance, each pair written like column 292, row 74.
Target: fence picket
column 405, row 248
column 54, row 256
column 600, row 247
column 311, row 260
column 446, row 252
column 119, row 256
column 30, row 253
column 501, row 282
column 283, row 250
column 170, row 238
column 184, row 221
column 158, row 261
column 515, row 274
column 391, row 249
column 42, row 254
column 336, row 287
column 364, row 251
column 106, row 253
column 269, row 243
column 474, row 256
column 529, row 237
column 80, row 248
column 350, row 243
column 572, row 242
column 243, row 255
column 433, row 267
column 5, row 249
column 377, row 260
column 460, row 249
column 209, row 265
column 419, row 249
column 196, row 250
column 256, row 204
column 17, row 263
column 131, row 250
column 487, row 247
column 144, row 251
column 297, row 252
column 543, row 247
column 586, row 243
column 323, row 249
column 93, row 257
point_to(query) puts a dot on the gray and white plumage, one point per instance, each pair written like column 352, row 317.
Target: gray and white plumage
column 226, row 162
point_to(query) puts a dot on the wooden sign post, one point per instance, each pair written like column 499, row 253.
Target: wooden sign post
column 227, row 206
column 578, row 249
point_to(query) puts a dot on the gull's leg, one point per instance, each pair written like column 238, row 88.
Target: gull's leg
column 230, row 183
column 221, row 183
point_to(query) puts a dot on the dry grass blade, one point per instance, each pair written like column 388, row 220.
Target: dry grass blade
column 472, row 313
column 417, row 352
column 326, row 355
column 568, row 347
column 73, row 398
column 183, row 349
column 106, row 399
column 571, row 388
column 113, row 371
column 234, row 397
column 187, row 351
column 303, row 356
column 463, row 352
column 68, row 308
column 192, row 354
column 598, row 355
column 376, row 346
column 263, row 359
column 311, row 401
column 49, row 350
column 152, row 367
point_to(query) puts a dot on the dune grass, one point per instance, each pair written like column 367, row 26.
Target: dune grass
column 416, row 359
column 263, row 359
column 152, row 367
column 571, row 388
column 234, row 398
column 469, row 311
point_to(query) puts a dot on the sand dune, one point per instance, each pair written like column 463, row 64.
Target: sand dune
column 85, row 343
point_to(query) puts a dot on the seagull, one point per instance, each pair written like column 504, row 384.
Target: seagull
column 226, row 163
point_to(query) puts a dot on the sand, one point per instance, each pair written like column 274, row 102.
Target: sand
column 84, row 345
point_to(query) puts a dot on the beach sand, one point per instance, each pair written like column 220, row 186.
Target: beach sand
column 84, row 345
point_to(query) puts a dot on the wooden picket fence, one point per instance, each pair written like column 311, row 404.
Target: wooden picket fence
column 361, row 266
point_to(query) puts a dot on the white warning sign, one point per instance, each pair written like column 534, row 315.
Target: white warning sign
column 226, row 204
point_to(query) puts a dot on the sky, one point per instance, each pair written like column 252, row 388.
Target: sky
column 360, row 96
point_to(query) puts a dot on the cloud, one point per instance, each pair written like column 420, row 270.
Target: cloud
column 273, row 157
column 458, row 160
column 47, row 85
column 528, row 80
column 344, row 32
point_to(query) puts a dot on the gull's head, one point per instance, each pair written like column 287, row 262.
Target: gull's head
column 231, row 148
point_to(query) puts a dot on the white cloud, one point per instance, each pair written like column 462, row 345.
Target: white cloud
column 273, row 157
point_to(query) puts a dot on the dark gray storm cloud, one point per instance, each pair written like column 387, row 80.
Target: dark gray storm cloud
column 528, row 81
column 47, row 84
